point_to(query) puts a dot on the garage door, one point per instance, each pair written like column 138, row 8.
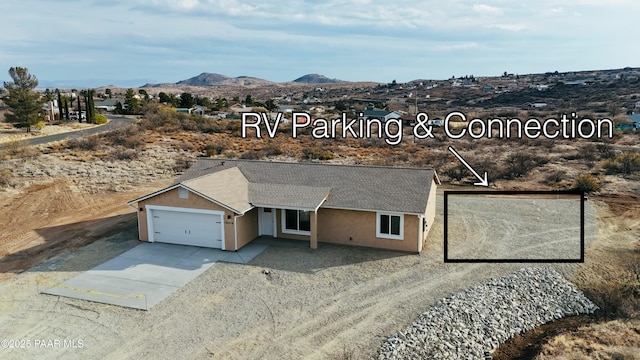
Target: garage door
column 186, row 227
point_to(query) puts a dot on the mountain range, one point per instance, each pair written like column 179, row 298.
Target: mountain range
column 213, row 79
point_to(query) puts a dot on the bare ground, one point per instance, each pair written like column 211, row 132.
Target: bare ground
column 313, row 304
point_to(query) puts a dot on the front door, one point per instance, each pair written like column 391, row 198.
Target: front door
column 267, row 221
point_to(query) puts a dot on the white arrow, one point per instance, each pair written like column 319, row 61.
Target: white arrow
column 483, row 179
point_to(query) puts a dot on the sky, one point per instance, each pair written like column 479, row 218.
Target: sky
column 131, row 42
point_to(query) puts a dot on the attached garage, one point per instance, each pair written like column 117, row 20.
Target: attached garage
column 185, row 226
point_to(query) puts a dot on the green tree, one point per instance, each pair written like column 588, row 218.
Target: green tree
column 60, row 106
column 108, row 92
column 187, row 100
column 131, row 102
column 25, row 103
column 91, row 107
column 48, row 95
column 203, row 101
column 271, row 105
column 145, row 98
column 248, row 100
column 164, row 98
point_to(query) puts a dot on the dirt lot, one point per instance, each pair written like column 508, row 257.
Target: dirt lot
column 513, row 227
column 329, row 303
column 313, row 304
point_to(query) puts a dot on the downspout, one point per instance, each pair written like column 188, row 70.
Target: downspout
column 235, row 231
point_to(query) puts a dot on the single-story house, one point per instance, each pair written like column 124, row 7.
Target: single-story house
column 635, row 120
column 224, row 203
column 108, row 104
column 380, row 114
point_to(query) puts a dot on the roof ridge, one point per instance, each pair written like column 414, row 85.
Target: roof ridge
column 211, row 173
column 316, row 163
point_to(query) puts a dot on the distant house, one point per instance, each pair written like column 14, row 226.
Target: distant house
column 578, row 82
column 538, row 105
column 196, row 110
column 635, row 120
column 51, row 109
column 108, row 104
column 380, row 114
column 286, row 108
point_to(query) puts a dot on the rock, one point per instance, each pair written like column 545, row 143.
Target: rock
column 475, row 321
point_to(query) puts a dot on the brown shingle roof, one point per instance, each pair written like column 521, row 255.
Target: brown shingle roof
column 357, row 187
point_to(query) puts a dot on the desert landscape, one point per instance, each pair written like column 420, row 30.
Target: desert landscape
column 323, row 180
column 64, row 212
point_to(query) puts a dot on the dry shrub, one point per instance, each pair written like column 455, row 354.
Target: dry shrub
column 215, row 148
column 5, row 177
column 17, row 150
column 124, row 154
column 519, row 164
column 183, row 145
column 128, row 137
column 182, row 165
column 456, row 172
column 606, row 151
column 555, row 177
column 272, row 149
column 373, row 141
column 252, row 155
column 314, row 152
column 586, row 183
column 626, row 163
column 88, row 143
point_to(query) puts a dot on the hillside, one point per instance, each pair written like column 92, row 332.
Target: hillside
column 315, row 79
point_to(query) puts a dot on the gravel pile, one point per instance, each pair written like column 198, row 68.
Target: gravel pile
column 475, row 321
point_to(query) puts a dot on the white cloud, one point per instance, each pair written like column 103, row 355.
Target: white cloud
column 510, row 27
column 487, row 10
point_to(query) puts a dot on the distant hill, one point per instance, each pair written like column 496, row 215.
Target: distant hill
column 315, row 79
column 204, row 79
column 210, row 79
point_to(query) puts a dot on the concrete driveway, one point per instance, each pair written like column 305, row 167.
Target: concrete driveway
column 146, row 274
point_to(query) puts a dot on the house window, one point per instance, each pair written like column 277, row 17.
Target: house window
column 183, row 193
column 390, row 226
column 296, row 222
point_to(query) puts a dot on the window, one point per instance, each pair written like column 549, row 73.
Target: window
column 296, row 222
column 183, row 193
column 390, row 226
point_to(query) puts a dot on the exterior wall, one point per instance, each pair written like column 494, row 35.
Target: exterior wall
column 430, row 213
column 247, row 227
column 359, row 228
column 170, row 198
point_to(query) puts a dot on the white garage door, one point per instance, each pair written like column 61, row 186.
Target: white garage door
column 186, row 227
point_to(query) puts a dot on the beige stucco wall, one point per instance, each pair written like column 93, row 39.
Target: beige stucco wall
column 170, row 198
column 352, row 227
column 359, row 228
column 430, row 213
column 247, row 227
